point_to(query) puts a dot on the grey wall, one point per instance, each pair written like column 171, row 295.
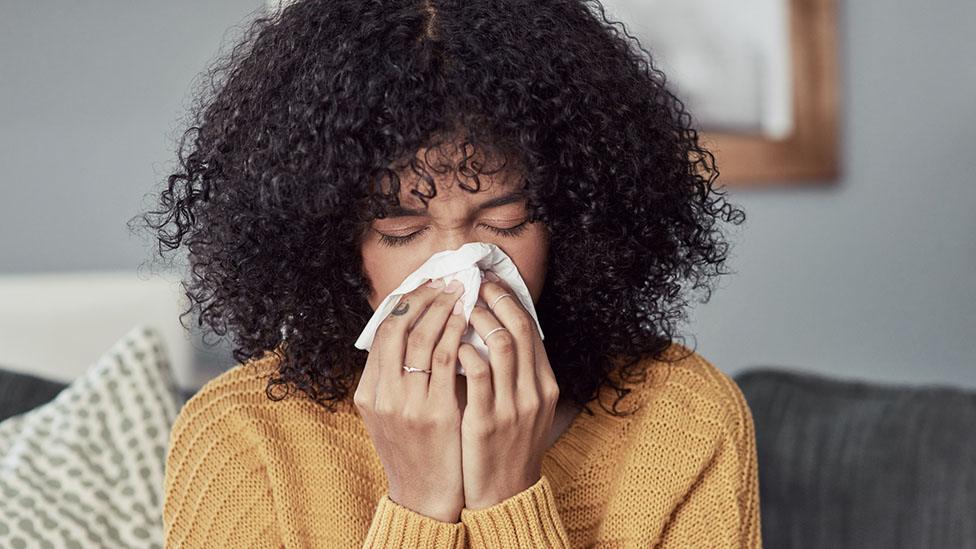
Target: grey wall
column 874, row 277
column 90, row 97
column 871, row 278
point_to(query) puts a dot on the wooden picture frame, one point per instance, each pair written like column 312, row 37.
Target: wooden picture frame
column 811, row 152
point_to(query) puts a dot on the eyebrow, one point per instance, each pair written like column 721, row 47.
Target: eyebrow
column 508, row 198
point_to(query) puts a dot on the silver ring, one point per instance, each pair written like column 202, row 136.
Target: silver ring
column 485, row 339
column 412, row 369
column 492, row 306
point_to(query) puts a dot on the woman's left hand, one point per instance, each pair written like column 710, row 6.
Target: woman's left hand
column 511, row 401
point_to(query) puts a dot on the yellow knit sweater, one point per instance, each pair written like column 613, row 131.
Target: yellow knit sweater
column 681, row 472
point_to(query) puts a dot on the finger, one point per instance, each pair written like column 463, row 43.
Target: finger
column 391, row 336
column 443, row 379
column 520, row 324
column 423, row 338
column 542, row 370
column 502, row 356
column 366, row 384
column 477, row 378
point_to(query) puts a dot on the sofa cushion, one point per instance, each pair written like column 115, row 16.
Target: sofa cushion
column 846, row 463
column 86, row 468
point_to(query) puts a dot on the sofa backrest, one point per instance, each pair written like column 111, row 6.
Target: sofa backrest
column 845, row 463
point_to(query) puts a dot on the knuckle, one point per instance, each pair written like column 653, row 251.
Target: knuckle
column 478, row 311
column 483, row 429
column 455, row 323
column 504, row 343
column 550, row 392
column 505, row 418
column 417, row 343
column 409, row 416
column 524, row 325
column 362, row 401
column 386, row 329
column 530, row 404
column 442, row 358
column 477, row 371
column 385, row 408
column 443, row 305
column 444, row 419
column 417, row 418
column 445, row 298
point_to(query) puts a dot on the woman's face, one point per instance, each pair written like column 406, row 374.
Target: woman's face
column 453, row 218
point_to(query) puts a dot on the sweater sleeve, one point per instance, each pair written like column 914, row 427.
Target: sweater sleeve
column 527, row 519
column 216, row 488
column 394, row 525
column 722, row 508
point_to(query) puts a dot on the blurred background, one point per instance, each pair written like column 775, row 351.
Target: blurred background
column 864, row 274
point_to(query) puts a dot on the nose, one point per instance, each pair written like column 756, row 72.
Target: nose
column 454, row 239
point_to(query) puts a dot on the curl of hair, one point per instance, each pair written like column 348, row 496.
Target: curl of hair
column 319, row 102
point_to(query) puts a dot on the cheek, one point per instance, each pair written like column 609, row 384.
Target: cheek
column 373, row 267
column 386, row 268
column 530, row 255
column 531, row 261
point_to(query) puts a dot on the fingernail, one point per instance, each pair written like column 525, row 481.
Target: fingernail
column 454, row 286
column 492, row 277
column 457, row 307
column 437, row 283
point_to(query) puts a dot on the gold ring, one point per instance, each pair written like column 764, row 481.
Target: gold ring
column 492, row 306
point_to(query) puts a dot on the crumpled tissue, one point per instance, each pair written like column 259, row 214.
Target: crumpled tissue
column 467, row 264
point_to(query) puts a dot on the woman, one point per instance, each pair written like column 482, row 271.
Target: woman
column 344, row 143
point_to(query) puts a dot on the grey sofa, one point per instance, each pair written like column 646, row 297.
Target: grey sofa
column 841, row 463
column 846, row 463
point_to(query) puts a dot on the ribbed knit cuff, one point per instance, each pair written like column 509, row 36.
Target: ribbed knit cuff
column 527, row 519
column 397, row 526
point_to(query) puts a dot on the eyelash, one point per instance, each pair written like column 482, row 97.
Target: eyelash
column 394, row 241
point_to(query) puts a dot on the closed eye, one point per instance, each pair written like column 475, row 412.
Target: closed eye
column 394, row 241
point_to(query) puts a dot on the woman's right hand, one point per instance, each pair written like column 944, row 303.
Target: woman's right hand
column 414, row 418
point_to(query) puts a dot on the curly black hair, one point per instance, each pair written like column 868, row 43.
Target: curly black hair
column 320, row 102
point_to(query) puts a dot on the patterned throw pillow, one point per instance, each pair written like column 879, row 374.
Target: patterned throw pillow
column 86, row 469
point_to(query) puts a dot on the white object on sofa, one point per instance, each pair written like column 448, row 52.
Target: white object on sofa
column 87, row 468
column 54, row 325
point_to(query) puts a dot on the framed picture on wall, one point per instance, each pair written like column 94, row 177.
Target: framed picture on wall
column 758, row 76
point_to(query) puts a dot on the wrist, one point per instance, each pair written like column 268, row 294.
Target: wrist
column 439, row 512
column 497, row 496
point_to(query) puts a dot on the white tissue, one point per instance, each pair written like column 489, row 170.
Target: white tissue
column 465, row 264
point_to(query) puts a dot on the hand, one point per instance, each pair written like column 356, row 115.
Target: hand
column 414, row 418
column 511, row 401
